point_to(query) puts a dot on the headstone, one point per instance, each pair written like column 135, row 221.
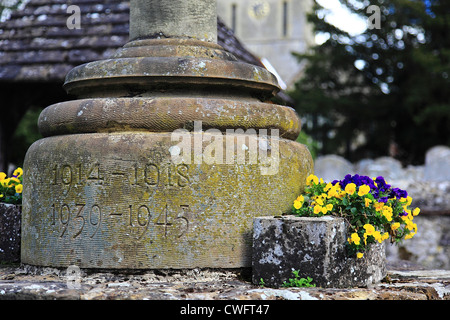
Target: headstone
column 332, row 167
column 166, row 156
column 437, row 164
column 362, row 167
column 316, row 248
column 387, row 167
column 429, row 248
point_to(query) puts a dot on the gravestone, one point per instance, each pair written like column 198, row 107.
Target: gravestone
column 332, row 167
column 388, row 167
column 437, row 164
column 166, row 156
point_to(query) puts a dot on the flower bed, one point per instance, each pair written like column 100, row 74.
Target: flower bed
column 11, row 187
column 313, row 247
column 374, row 210
column 335, row 233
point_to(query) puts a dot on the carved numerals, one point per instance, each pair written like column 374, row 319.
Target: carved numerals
column 78, row 216
column 168, row 222
column 150, row 175
column 72, row 216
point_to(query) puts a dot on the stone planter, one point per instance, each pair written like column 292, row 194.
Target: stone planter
column 315, row 247
column 10, row 223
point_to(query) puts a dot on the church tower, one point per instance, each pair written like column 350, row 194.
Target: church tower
column 272, row 30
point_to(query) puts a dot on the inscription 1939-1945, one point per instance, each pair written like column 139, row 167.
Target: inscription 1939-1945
column 72, row 220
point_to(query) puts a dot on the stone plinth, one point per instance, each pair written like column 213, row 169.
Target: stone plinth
column 315, row 247
column 118, row 201
column 10, row 217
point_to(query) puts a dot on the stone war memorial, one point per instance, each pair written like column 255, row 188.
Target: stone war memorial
column 165, row 157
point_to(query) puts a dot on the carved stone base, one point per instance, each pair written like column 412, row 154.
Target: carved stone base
column 118, row 200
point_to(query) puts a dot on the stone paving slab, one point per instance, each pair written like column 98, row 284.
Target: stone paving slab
column 31, row 283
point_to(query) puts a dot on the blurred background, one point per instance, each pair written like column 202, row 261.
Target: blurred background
column 369, row 79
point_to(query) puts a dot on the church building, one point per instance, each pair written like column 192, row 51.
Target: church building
column 272, row 30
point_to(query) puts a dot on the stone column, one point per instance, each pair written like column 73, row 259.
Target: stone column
column 166, row 156
column 194, row 19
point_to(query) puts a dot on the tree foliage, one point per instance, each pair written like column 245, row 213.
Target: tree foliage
column 385, row 91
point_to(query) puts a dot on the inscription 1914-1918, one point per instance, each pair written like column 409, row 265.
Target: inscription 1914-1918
column 150, row 174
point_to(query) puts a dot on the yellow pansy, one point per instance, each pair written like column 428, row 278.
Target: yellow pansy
column 416, row 211
column 312, row 179
column 395, row 225
column 377, row 236
column 317, row 209
column 319, row 200
column 5, row 182
column 19, row 188
column 329, row 207
column 2, row 176
column 334, row 191
column 410, row 225
column 350, row 188
column 297, row 204
column 14, row 179
column 359, row 255
column 369, row 228
column 410, row 235
column 18, row 172
column 367, row 202
column 340, row 195
column 363, row 190
column 355, row 238
column 408, row 200
column 379, row 206
column 387, row 213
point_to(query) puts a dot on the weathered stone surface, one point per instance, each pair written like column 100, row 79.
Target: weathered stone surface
column 10, row 218
column 332, row 167
column 315, row 247
column 131, row 77
column 176, row 18
column 429, row 248
column 25, row 282
column 117, row 200
column 166, row 114
column 390, row 168
column 437, row 164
